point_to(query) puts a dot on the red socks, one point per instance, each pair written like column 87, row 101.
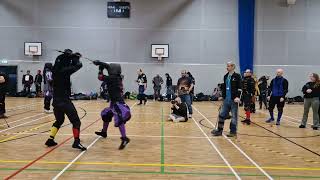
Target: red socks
column 76, row 133
column 247, row 114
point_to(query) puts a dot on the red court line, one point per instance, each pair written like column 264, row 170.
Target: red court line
column 46, row 153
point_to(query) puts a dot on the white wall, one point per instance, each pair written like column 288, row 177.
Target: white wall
column 198, row 31
column 288, row 37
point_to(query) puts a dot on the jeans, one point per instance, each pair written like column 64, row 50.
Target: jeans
column 141, row 95
column 186, row 98
column 229, row 105
column 170, row 93
column 314, row 103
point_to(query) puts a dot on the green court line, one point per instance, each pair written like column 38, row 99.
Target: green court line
column 160, row 173
column 162, row 142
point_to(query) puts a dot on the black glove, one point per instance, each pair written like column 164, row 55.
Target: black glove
column 98, row 63
column 77, row 54
column 101, row 68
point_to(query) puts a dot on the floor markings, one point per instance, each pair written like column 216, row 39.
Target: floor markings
column 238, row 148
column 79, row 156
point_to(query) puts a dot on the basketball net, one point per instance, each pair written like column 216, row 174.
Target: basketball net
column 159, row 57
column 32, row 53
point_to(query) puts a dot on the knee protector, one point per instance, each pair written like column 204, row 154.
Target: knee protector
column 123, row 114
column 107, row 115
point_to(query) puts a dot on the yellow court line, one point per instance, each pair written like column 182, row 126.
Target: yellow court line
column 21, row 133
column 166, row 165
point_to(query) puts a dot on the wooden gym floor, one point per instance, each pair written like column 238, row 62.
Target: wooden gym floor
column 159, row 149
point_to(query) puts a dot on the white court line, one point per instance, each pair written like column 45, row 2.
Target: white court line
column 238, row 148
column 78, row 157
column 31, row 121
column 218, row 151
column 294, row 119
column 23, row 106
column 24, row 123
column 22, row 119
column 131, row 135
column 75, row 159
column 292, row 122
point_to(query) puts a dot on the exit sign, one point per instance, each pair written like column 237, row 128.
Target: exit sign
column 119, row 9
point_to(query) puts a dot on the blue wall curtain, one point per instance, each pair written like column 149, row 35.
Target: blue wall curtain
column 246, row 33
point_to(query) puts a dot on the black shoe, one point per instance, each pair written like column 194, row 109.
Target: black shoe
column 50, row 143
column 124, row 142
column 101, row 133
column 139, row 103
column 76, row 144
column 216, row 132
column 278, row 123
column 246, row 121
column 2, row 116
column 302, row 126
column 145, row 102
column 315, row 128
column 228, row 116
column 232, row 134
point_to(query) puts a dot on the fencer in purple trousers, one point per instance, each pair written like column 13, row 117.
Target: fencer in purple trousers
column 118, row 109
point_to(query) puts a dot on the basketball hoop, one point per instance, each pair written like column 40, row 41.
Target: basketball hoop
column 33, row 49
column 159, row 52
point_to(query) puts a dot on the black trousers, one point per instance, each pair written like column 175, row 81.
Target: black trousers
column 47, row 102
column 26, row 89
column 2, row 103
column 247, row 102
column 62, row 107
column 319, row 111
column 38, row 88
column 275, row 100
column 263, row 99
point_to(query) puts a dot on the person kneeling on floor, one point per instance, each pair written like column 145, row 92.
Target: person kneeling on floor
column 179, row 111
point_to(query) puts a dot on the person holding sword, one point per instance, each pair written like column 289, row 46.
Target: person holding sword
column 231, row 94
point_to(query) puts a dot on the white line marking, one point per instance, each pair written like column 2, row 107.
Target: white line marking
column 23, row 106
column 78, row 157
column 237, row 147
column 292, row 122
column 131, row 135
column 32, row 120
column 22, row 119
column 218, row 151
column 25, row 123
column 75, row 159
